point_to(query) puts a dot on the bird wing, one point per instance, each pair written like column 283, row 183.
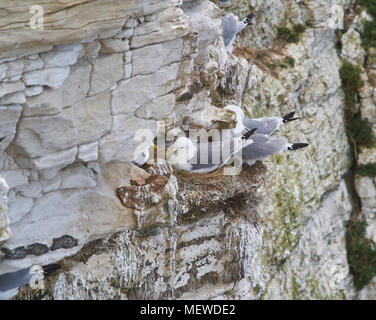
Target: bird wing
column 267, row 125
column 213, row 155
column 230, row 22
column 263, row 147
column 13, row 280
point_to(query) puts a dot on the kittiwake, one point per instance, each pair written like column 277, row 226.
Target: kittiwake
column 264, row 146
column 265, row 125
column 11, row 281
column 205, row 157
column 232, row 26
column 143, row 155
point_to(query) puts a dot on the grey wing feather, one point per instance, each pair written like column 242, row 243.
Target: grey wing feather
column 263, row 125
column 263, row 147
column 13, row 280
column 230, row 22
column 212, row 155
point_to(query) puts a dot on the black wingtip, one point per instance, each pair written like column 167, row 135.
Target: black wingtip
column 249, row 18
column 289, row 117
column 296, row 146
column 248, row 134
column 51, row 268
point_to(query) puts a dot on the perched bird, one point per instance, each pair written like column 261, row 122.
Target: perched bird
column 266, row 125
column 143, row 155
column 205, row 157
column 11, row 281
column 264, row 146
column 232, row 26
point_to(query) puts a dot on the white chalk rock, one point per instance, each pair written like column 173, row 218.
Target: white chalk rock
column 85, row 121
column 15, row 178
column 137, row 91
column 11, row 87
column 9, row 116
column 107, row 70
column 88, row 152
column 4, row 219
column 18, row 207
column 61, row 56
column 77, row 176
column 52, row 77
column 14, row 98
column 33, row 91
column 52, row 101
column 59, row 159
column 31, row 190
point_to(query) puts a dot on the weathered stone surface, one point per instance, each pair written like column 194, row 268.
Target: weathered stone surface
column 149, row 59
column 109, row 46
column 61, row 56
column 14, row 98
column 33, row 91
column 120, row 145
column 86, row 20
column 33, row 63
column 12, row 87
column 171, row 24
column 58, row 159
column 14, row 69
column 107, row 70
column 77, row 176
column 365, row 187
column 52, row 101
column 158, row 109
column 91, row 49
column 192, row 236
column 206, row 22
column 52, row 77
column 85, row 121
column 88, row 152
column 19, row 207
column 15, row 178
column 352, row 49
column 5, row 232
column 9, row 116
column 137, row 91
column 32, row 190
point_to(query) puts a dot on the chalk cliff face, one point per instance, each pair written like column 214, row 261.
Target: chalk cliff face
column 72, row 97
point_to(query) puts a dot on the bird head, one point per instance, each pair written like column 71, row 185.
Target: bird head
column 36, row 269
column 180, row 151
column 45, row 270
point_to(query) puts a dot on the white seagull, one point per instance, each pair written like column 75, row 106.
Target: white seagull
column 266, row 125
column 232, row 26
column 264, row 146
column 143, row 156
column 183, row 154
column 11, row 281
